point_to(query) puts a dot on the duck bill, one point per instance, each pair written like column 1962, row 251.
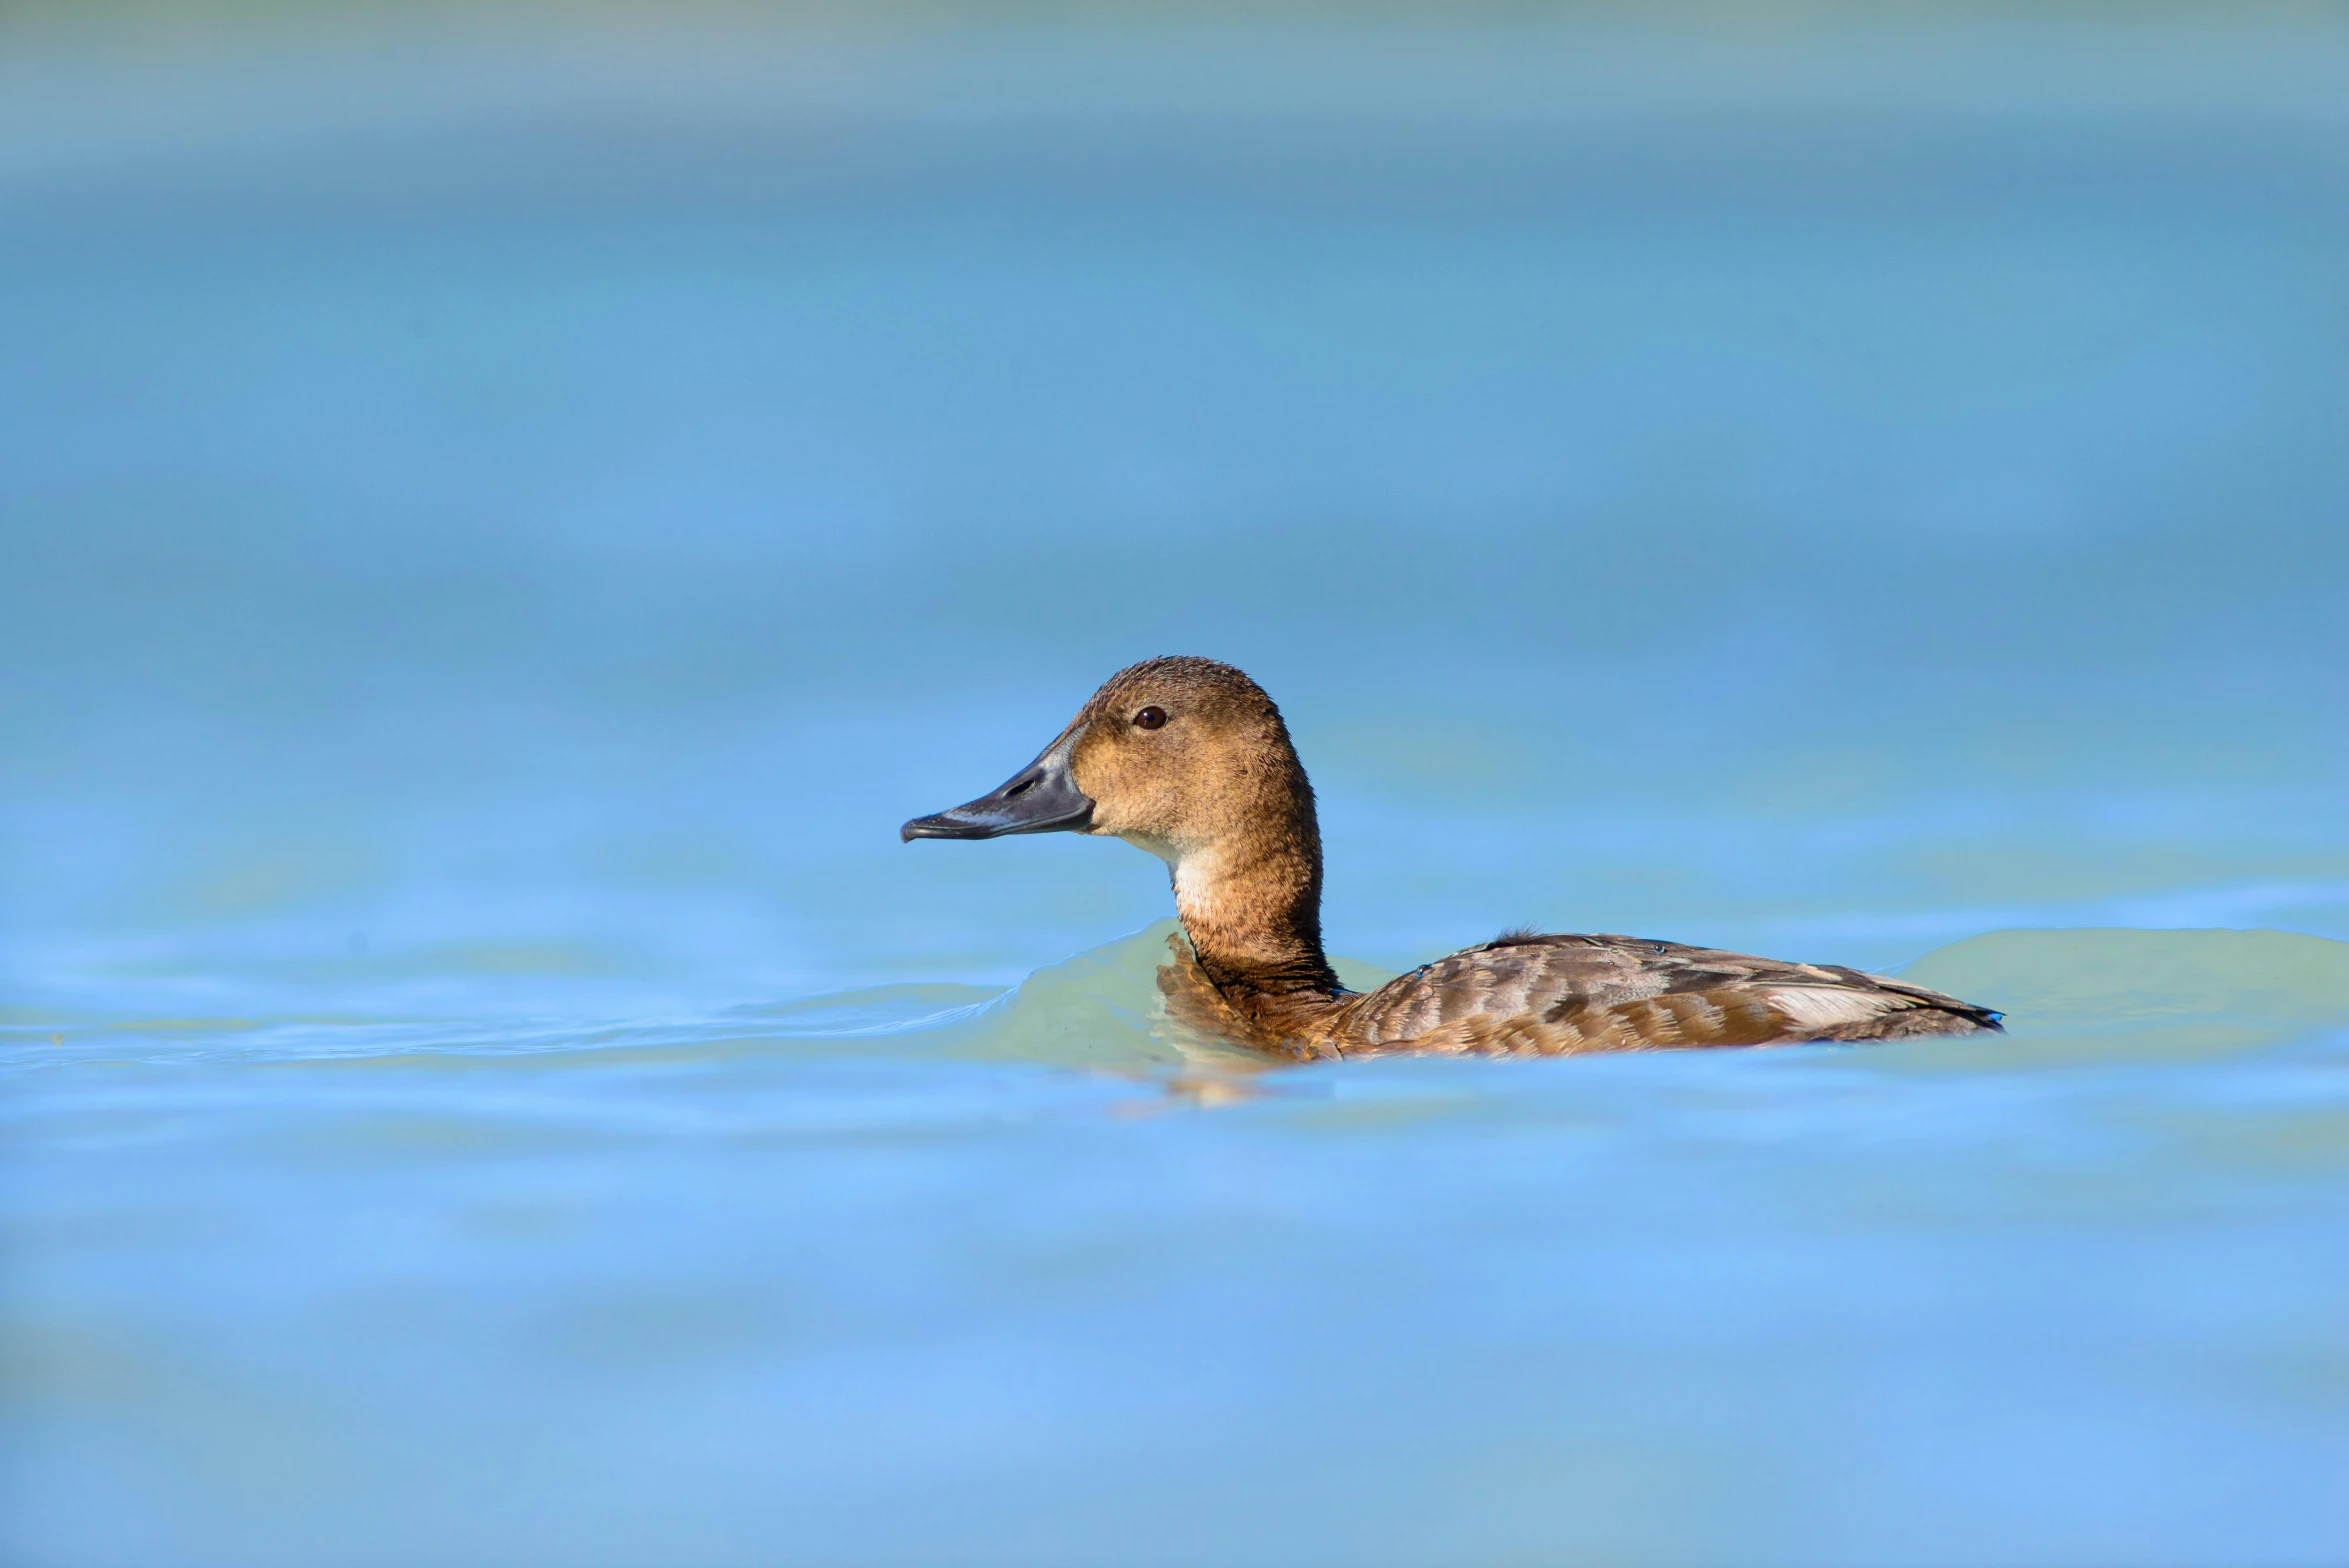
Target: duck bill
column 1040, row 798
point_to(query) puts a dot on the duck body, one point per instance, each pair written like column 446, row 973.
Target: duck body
column 1529, row 994
column 1189, row 759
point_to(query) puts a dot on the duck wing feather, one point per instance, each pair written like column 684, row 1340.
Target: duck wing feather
column 1555, row 995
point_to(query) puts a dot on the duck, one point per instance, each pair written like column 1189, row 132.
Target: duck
column 1189, row 759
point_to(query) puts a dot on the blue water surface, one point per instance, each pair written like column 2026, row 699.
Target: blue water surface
column 505, row 513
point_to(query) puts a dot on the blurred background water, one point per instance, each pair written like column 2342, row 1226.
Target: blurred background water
column 505, row 509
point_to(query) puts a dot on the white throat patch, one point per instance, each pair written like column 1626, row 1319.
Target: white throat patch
column 1195, row 878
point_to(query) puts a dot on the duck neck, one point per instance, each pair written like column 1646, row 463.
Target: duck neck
column 1252, row 909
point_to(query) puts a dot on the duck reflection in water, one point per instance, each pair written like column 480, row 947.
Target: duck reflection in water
column 1188, row 759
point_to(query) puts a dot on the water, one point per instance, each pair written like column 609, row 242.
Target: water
column 504, row 519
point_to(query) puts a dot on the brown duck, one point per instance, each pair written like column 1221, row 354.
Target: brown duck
column 1189, row 759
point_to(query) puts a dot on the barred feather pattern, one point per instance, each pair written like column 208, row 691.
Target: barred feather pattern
column 1560, row 995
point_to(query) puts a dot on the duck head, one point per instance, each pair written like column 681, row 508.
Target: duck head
column 1188, row 759
column 1171, row 755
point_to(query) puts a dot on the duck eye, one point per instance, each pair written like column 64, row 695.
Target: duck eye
column 1149, row 718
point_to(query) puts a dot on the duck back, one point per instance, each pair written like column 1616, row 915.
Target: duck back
column 1556, row 995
